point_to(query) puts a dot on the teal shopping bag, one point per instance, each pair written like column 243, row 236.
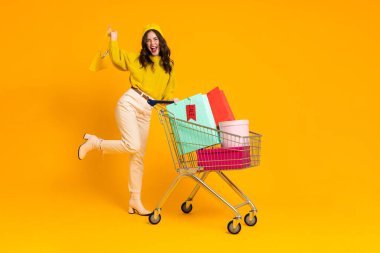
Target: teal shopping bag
column 189, row 137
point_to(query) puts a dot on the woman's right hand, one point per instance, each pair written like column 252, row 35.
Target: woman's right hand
column 111, row 33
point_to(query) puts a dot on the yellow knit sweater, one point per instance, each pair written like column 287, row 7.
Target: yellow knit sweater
column 154, row 82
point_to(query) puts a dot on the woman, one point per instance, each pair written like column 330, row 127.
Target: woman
column 151, row 77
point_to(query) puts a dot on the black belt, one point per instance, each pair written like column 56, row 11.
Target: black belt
column 141, row 93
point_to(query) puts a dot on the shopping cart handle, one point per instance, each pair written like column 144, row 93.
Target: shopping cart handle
column 152, row 102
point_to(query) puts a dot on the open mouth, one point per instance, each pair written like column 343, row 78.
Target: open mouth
column 154, row 50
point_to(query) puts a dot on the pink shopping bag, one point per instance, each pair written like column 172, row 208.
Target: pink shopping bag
column 224, row 158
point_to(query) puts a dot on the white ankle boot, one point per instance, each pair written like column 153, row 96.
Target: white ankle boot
column 92, row 143
column 135, row 205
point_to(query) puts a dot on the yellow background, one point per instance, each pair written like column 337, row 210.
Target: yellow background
column 305, row 73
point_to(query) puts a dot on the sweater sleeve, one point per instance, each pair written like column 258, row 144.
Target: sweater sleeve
column 118, row 56
column 169, row 91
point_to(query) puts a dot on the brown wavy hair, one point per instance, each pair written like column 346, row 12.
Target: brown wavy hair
column 145, row 54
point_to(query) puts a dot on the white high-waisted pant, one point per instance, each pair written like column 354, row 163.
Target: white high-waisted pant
column 133, row 115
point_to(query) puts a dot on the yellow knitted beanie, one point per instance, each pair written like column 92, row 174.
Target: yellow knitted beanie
column 154, row 27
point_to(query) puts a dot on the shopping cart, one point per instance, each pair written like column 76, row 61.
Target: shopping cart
column 232, row 152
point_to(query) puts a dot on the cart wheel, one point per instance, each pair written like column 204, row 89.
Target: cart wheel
column 153, row 220
column 186, row 209
column 231, row 228
column 249, row 221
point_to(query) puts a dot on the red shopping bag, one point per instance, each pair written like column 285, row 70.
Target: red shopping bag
column 219, row 106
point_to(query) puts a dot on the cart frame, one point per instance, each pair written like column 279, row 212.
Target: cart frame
column 188, row 164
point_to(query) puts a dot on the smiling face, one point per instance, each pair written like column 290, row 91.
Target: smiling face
column 153, row 43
